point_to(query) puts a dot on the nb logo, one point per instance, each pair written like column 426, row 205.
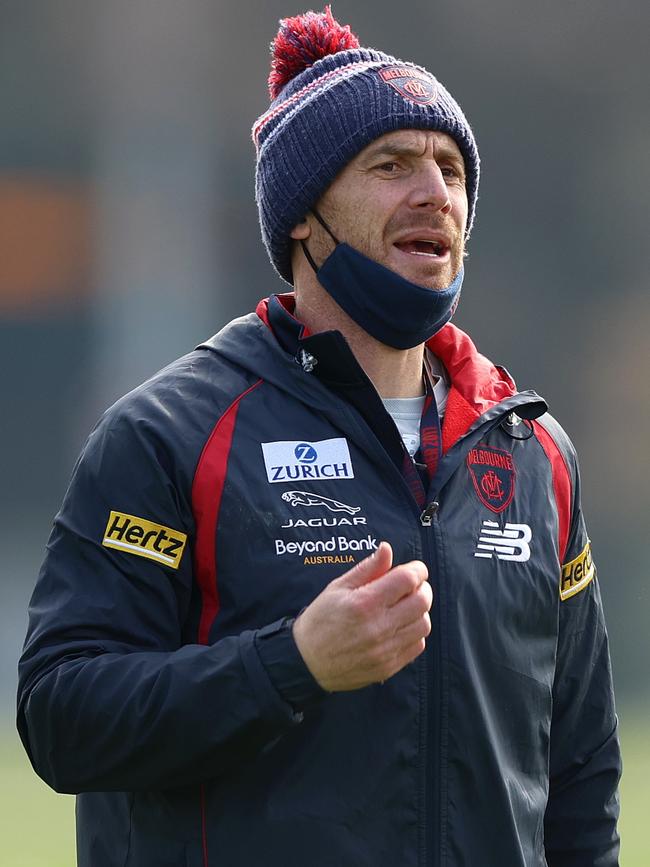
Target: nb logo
column 511, row 543
column 305, row 453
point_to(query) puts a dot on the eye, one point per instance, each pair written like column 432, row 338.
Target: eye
column 389, row 167
column 451, row 172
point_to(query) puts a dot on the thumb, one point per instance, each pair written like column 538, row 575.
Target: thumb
column 370, row 568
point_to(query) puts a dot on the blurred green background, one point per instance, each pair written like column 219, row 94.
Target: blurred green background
column 128, row 233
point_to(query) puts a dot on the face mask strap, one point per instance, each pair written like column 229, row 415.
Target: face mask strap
column 325, row 226
column 308, row 255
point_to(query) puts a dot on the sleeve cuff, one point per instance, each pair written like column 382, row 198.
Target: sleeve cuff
column 285, row 666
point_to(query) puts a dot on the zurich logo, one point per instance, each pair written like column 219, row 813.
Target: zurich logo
column 305, row 453
column 297, row 460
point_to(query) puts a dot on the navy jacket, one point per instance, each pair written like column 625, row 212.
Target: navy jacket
column 160, row 680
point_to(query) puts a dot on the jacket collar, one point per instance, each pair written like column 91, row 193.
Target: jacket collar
column 476, row 383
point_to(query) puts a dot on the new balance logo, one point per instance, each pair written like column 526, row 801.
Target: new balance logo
column 511, row 543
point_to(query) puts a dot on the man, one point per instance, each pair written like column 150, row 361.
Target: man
column 321, row 593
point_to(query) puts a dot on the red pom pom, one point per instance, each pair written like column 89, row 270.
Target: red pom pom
column 303, row 40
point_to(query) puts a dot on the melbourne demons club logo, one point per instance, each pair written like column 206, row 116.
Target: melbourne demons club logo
column 493, row 474
column 411, row 83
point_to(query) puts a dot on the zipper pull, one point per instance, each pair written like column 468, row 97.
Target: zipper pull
column 306, row 360
column 426, row 518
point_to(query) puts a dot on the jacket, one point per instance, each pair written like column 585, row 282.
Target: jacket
column 160, row 680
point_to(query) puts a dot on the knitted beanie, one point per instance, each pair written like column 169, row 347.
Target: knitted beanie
column 330, row 98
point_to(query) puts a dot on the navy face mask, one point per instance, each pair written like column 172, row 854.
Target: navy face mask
column 393, row 310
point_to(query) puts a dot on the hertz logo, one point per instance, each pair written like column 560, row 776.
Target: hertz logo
column 144, row 538
column 577, row 573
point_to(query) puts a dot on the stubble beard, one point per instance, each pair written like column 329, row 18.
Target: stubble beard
column 323, row 246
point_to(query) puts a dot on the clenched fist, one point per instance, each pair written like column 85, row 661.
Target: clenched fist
column 366, row 625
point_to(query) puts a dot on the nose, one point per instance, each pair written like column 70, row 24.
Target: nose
column 430, row 189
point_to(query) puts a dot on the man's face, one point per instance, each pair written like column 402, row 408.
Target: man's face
column 402, row 202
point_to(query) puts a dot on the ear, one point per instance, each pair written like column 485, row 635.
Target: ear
column 301, row 231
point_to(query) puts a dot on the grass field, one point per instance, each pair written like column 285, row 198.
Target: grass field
column 38, row 825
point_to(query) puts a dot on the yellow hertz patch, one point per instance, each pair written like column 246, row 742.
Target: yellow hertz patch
column 577, row 573
column 144, row 539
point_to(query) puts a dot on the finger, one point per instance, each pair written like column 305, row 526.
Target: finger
column 410, row 608
column 422, row 590
column 369, row 569
column 406, row 656
column 399, row 582
column 413, row 631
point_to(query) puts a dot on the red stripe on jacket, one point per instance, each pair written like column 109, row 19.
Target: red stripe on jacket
column 207, row 490
column 561, row 485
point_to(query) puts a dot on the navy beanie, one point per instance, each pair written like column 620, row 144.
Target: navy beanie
column 330, row 98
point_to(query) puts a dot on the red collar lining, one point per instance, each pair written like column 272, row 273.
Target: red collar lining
column 288, row 301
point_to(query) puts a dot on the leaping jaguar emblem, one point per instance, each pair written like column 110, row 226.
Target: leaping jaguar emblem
column 305, row 498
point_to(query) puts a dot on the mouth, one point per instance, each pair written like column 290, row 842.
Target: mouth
column 432, row 248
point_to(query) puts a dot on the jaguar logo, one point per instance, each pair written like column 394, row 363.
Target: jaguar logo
column 306, row 498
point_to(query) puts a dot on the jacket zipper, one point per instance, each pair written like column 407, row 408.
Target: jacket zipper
column 435, row 673
column 441, row 690
column 430, row 702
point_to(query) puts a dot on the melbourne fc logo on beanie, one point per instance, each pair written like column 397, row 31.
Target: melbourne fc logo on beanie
column 493, row 474
column 411, row 83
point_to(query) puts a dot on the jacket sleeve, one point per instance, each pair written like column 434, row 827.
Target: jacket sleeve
column 111, row 696
column 585, row 763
